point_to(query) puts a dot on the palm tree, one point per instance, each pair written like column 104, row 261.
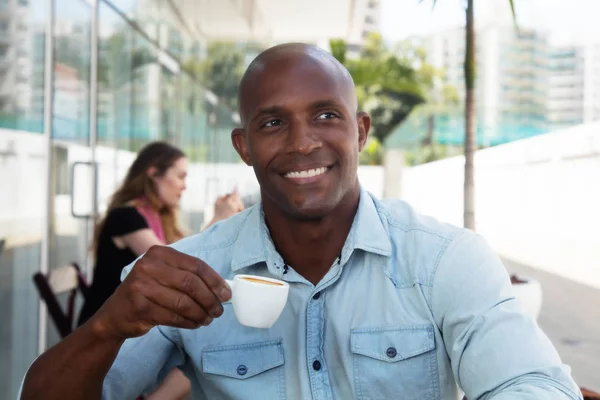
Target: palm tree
column 470, row 137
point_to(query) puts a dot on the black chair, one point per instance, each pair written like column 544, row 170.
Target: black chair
column 61, row 280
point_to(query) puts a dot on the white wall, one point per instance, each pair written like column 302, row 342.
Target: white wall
column 22, row 174
column 537, row 200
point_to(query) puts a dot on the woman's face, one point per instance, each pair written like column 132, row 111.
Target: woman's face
column 171, row 185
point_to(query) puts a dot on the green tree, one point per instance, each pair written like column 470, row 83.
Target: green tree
column 221, row 70
column 388, row 87
column 470, row 139
column 119, row 59
column 390, row 84
column 372, row 154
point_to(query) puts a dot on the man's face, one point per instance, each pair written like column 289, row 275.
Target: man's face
column 302, row 135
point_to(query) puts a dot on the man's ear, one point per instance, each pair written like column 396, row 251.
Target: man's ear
column 364, row 125
column 238, row 138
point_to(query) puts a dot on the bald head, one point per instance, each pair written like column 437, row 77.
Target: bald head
column 283, row 59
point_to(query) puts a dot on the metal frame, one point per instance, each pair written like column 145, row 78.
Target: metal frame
column 48, row 113
column 95, row 4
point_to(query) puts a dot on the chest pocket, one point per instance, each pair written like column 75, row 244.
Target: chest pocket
column 395, row 362
column 244, row 371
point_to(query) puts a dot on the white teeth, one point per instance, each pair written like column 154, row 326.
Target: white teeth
column 306, row 173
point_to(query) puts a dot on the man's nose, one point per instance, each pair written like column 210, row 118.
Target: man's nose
column 302, row 139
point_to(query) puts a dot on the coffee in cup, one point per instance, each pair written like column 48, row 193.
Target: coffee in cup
column 262, row 281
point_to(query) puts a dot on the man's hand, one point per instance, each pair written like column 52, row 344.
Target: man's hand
column 165, row 287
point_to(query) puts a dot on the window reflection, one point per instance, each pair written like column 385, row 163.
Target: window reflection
column 22, row 33
column 71, row 71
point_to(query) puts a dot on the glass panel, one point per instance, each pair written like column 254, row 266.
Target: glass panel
column 128, row 99
column 156, row 19
column 115, row 75
column 115, row 100
column 72, row 178
column 169, row 117
column 22, row 197
column 145, row 100
column 128, row 77
column 192, row 117
column 72, row 71
column 22, row 34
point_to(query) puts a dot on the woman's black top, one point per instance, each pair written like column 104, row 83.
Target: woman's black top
column 110, row 259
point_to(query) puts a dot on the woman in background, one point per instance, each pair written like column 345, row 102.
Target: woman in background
column 143, row 213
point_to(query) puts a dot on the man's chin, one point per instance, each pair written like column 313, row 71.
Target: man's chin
column 302, row 206
column 311, row 210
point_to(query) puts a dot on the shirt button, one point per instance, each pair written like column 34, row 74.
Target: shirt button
column 391, row 352
column 316, row 365
column 316, row 296
column 242, row 370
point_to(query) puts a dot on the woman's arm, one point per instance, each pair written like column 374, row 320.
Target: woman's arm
column 138, row 241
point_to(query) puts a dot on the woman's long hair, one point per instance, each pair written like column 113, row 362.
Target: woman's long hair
column 138, row 185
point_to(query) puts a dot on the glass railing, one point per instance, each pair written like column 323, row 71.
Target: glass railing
column 449, row 127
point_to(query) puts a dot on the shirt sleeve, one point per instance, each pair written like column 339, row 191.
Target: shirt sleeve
column 123, row 220
column 497, row 351
column 142, row 363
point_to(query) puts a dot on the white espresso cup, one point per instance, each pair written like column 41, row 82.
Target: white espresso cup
column 257, row 301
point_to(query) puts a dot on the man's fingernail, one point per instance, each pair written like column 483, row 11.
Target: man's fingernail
column 217, row 312
column 225, row 294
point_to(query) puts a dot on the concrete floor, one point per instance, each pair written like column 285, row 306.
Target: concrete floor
column 570, row 316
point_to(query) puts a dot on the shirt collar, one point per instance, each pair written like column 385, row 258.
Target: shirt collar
column 254, row 243
column 368, row 231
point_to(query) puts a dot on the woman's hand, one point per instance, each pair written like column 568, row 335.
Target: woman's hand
column 227, row 206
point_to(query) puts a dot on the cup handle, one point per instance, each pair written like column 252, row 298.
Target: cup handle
column 231, row 284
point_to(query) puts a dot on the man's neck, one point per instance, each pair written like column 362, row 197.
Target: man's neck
column 311, row 247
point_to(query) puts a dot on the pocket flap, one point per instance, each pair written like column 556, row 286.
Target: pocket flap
column 243, row 361
column 392, row 344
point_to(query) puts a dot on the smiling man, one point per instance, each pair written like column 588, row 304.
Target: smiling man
column 383, row 303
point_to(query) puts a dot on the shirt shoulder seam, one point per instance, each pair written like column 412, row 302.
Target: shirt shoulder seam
column 221, row 244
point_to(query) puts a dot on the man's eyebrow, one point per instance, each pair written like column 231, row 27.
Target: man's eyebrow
column 324, row 104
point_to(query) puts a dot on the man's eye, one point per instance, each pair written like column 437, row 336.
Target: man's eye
column 327, row 115
column 271, row 123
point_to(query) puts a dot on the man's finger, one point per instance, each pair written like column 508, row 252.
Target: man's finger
column 155, row 314
column 185, row 283
column 149, row 314
column 211, row 278
column 178, row 303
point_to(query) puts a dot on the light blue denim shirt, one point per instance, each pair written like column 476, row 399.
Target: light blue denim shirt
column 413, row 308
